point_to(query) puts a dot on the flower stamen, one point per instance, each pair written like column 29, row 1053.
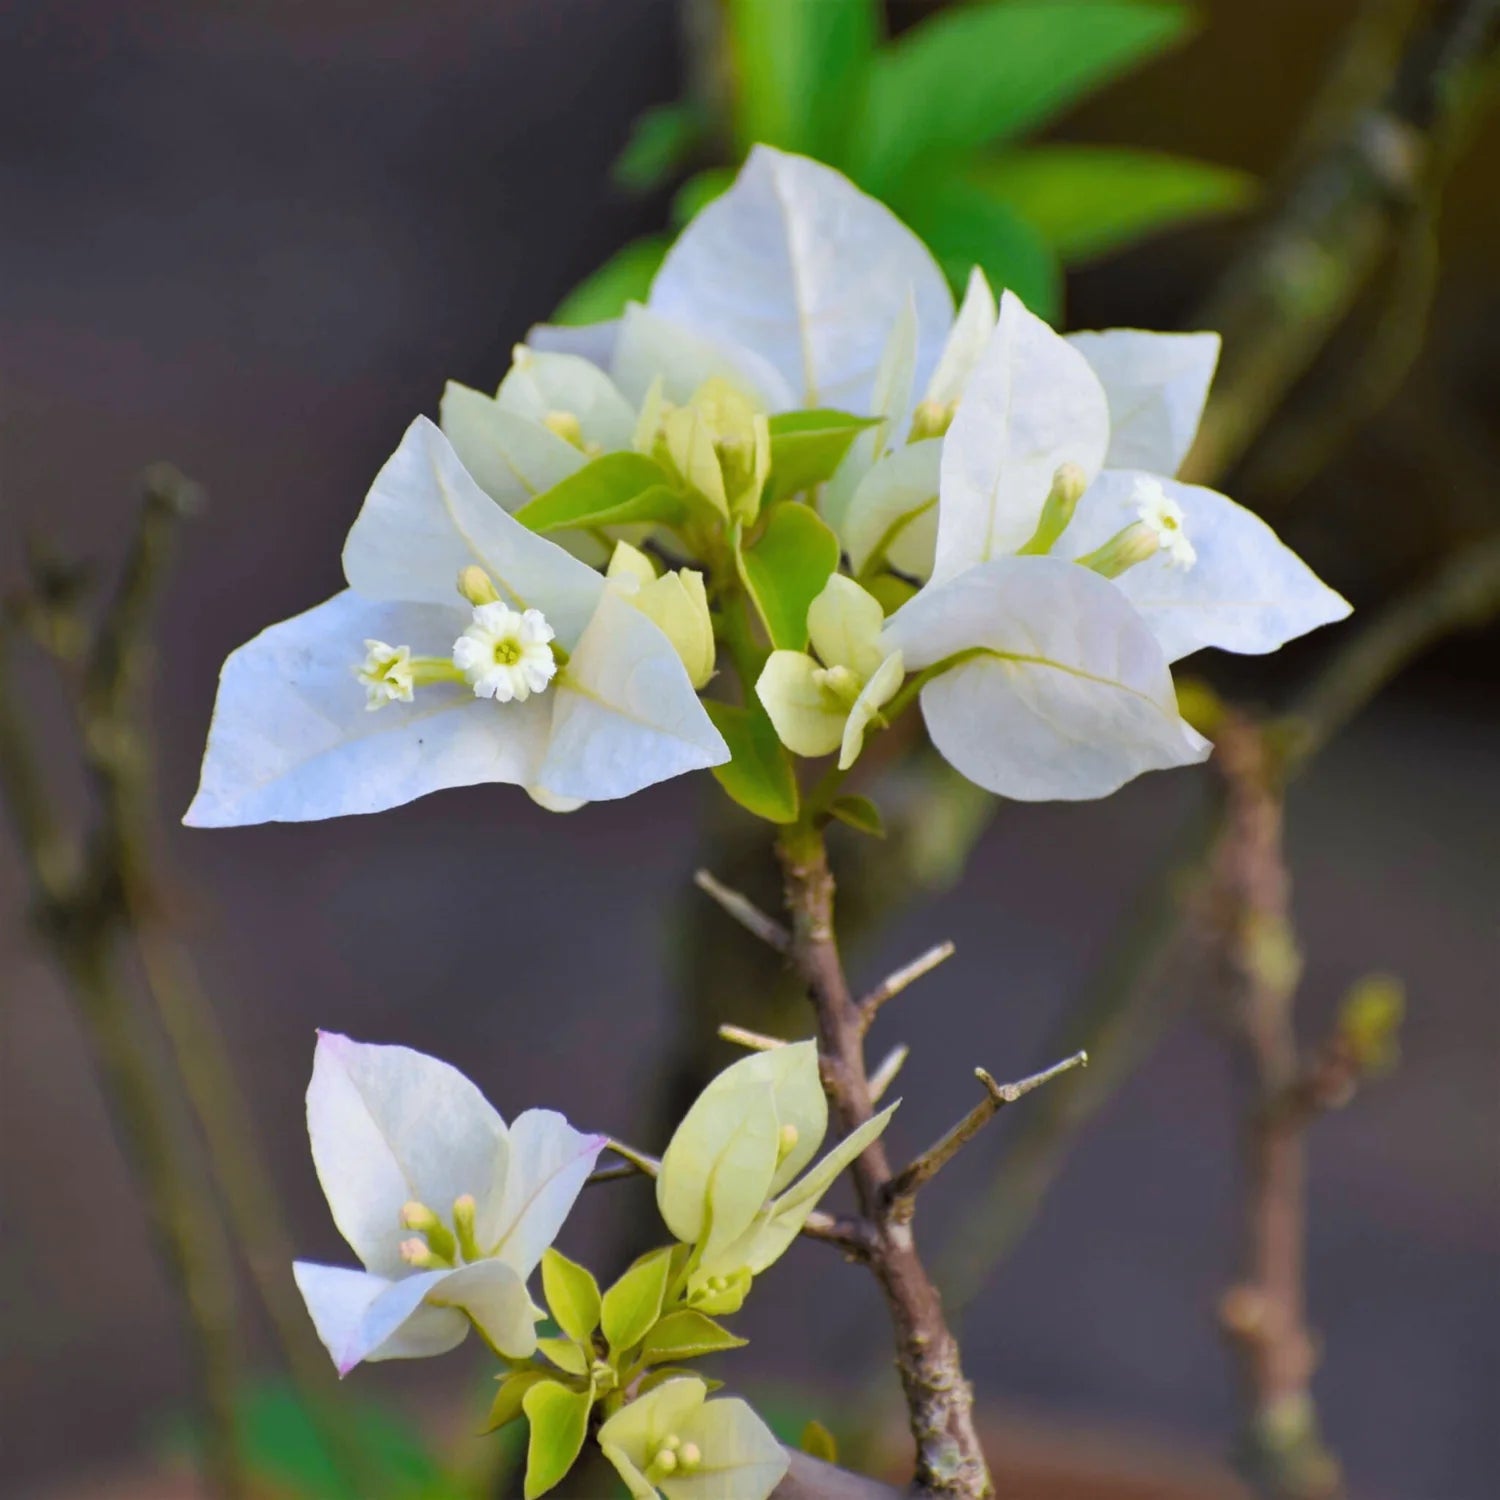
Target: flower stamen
column 506, row 654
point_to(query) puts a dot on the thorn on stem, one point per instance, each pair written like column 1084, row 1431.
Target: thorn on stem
column 745, row 912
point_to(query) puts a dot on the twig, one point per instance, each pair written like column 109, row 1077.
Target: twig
column 81, row 911
column 901, row 1191
column 893, row 984
column 950, row 1461
column 755, row 1041
column 745, row 912
column 1297, row 278
column 885, row 1074
column 1281, row 1449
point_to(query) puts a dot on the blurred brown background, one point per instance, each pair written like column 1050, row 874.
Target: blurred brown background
column 256, row 238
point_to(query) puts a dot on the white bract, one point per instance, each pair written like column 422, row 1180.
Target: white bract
column 448, row 1210
column 797, row 267
column 729, row 1181
column 676, row 1443
column 824, row 703
column 1052, row 679
column 491, row 655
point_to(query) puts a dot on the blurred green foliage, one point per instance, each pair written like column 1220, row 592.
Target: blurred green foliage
column 932, row 123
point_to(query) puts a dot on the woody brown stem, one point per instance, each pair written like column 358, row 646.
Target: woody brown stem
column 939, row 1400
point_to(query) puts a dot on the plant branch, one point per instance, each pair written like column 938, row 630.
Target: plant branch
column 745, row 912
column 901, row 1191
column 949, row 1459
column 894, row 983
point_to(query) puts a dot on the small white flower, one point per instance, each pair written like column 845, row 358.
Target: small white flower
column 386, row 673
column 447, row 1207
column 506, row 654
column 1159, row 511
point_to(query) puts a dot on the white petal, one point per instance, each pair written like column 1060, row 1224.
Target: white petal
column 390, row 1126
column 363, row 1317
column 895, row 510
column 549, row 1163
column 807, row 720
column 799, row 265
column 594, row 342
column 1032, row 404
column 742, row 1459
column 891, row 398
column 883, row 685
column 967, row 338
column 510, row 456
column 652, row 347
column 425, row 519
column 1072, row 696
column 494, row 1295
column 624, row 713
column 844, row 623
column 538, row 384
column 292, row 740
column 1248, row 591
column 1156, row 384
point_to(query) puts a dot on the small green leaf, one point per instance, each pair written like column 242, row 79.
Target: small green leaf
column 509, row 1398
column 891, row 592
column 565, row 1354
column 698, row 192
column 981, row 73
column 625, row 277
column 758, row 774
column 859, row 813
column 798, row 68
column 817, row 1440
column 687, row 1335
column 559, row 1422
column 1089, row 200
column 964, row 225
column 633, row 1304
column 786, row 568
column 572, row 1295
column 662, row 141
column 807, row 446
column 613, row 490
column 654, row 1378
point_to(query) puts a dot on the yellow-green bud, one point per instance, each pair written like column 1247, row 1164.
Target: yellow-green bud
column 476, row 586
column 689, row 1456
column 1135, row 544
column 464, row 1212
column 787, row 1140
column 566, row 426
column 1068, row 485
column 932, row 419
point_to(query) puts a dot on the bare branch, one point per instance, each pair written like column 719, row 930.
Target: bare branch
column 893, row 984
column 755, row 1041
column 745, row 912
column 903, row 1187
column 885, row 1075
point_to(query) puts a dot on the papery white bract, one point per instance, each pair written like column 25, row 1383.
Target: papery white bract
column 448, row 1210
column 292, row 738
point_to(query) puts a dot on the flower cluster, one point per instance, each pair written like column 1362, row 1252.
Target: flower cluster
column 450, row 1212
column 797, row 457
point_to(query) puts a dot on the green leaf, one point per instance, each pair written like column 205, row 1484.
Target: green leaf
column 964, row 226
column 859, row 813
column 982, row 73
column 786, row 568
column 1089, row 200
column 798, row 68
column 572, row 1295
column 807, row 446
column 559, row 1420
column 698, row 192
column 891, row 592
column 758, row 774
column 625, row 277
column 565, row 1354
column 633, row 1304
column 613, row 490
column 508, row 1403
column 662, row 141
column 687, row 1335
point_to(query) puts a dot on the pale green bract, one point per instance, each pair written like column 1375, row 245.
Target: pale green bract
column 447, row 1208
column 674, row 1442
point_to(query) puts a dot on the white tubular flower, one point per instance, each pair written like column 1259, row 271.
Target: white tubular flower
column 386, row 673
column 802, row 270
column 1163, row 517
column 448, row 1210
column 291, row 738
column 506, row 654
